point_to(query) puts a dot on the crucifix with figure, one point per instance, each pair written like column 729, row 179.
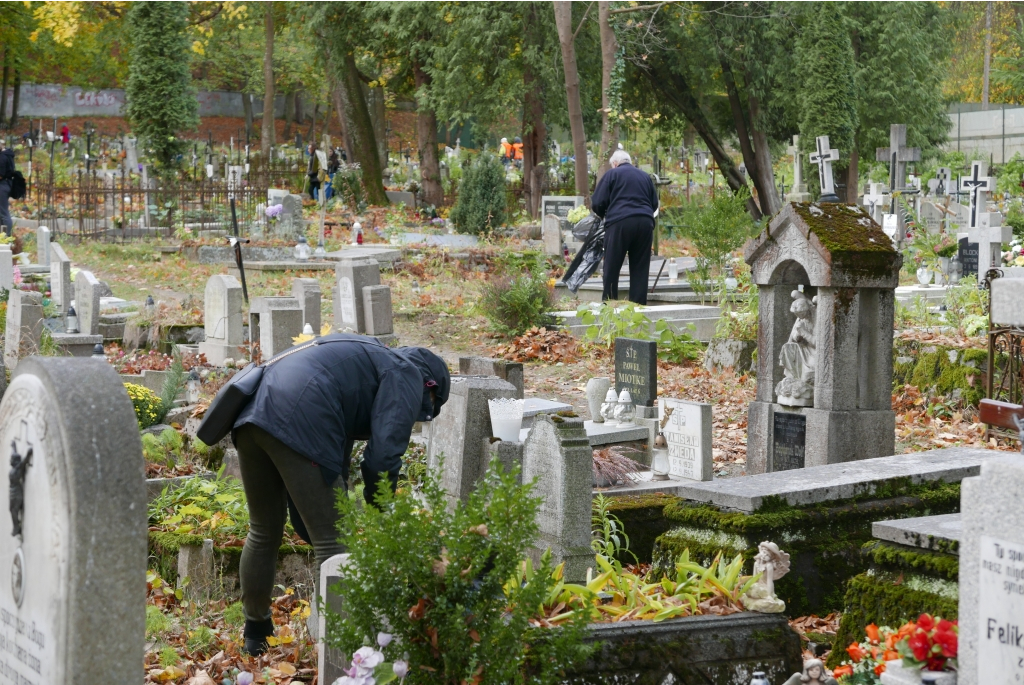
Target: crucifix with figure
column 984, row 228
column 896, row 156
column 823, row 157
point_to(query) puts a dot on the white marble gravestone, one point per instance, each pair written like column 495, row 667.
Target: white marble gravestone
column 73, row 579
column 43, row 246
column 87, row 302
column 352, row 276
column 60, row 278
column 688, row 434
column 222, row 319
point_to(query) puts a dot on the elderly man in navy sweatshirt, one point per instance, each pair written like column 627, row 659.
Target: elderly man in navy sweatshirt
column 627, row 199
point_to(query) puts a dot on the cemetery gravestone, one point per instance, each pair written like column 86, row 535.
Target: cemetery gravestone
column 506, row 371
column 1005, row 303
column 559, row 205
column 825, row 327
column 87, row 302
column 6, row 267
column 273, row 322
column 688, row 434
column 43, row 246
column 377, row 310
column 60, row 278
column 73, row 560
column 24, row 326
column 307, row 292
column 459, row 431
column 798, row 193
column 222, row 319
column 967, row 254
column 551, row 234
column 559, row 456
column 352, row 276
column 991, row 614
column 636, row 370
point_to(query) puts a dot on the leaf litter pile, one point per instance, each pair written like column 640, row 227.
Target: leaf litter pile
column 199, row 643
column 541, row 344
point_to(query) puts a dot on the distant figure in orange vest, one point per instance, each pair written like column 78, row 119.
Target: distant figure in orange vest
column 517, row 149
column 506, row 151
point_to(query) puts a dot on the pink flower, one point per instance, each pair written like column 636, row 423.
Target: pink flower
column 383, row 639
column 401, row 668
column 244, row 678
column 17, row 276
column 367, row 658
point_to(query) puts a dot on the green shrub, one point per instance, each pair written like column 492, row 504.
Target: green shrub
column 156, row 621
column 606, row 322
column 515, row 304
column 480, row 207
column 445, row 582
column 965, row 307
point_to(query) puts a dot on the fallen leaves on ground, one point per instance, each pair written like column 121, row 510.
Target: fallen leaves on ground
column 828, row 626
column 924, row 423
column 953, row 340
column 200, row 643
column 541, row 344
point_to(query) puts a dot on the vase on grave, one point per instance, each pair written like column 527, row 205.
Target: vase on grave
column 506, row 418
column 597, row 388
column 924, row 275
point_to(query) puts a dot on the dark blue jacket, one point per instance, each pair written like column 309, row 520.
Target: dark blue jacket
column 624, row 191
column 321, row 400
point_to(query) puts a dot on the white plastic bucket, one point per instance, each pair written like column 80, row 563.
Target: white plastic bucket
column 506, row 418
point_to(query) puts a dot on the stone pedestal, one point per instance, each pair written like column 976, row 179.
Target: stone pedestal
column 484, row 366
column 307, row 292
column 273, row 323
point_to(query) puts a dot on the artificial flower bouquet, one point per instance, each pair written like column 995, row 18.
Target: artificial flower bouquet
column 928, row 644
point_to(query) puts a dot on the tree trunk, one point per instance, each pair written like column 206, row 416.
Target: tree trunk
column 299, row 117
column 247, row 110
column 426, row 139
column 3, row 86
column 289, row 105
column 739, row 120
column 16, row 98
column 563, row 20
column 988, row 55
column 267, row 136
column 364, row 143
column 609, row 46
column 852, row 191
column 534, row 144
column 339, row 106
column 763, row 171
column 676, row 89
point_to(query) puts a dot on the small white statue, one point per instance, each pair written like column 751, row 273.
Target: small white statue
column 770, row 563
column 814, row 674
column 799, row 355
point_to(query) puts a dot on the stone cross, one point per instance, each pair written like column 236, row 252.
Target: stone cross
column 990, row 236
column 897, row 155
column 794, row 150
column 977, row 185
column 942, row 177
column 874, row 199
column 824, row 158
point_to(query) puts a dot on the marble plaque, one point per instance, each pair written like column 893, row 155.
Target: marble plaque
column 688, row 434
column 789, row 437
column 1001, row 611
column 347, row 300
column 636, row 369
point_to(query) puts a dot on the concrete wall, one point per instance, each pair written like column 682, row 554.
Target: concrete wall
column 997, row 133
column 48, row 100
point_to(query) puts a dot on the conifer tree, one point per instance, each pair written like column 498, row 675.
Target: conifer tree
column 160, row 102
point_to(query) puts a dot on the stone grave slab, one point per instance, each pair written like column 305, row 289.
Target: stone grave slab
column 484, row 366
column 87, row 302
column 933, row 294
column 940, row 533
column 307, row 292
column 696, row 320
column 378, row 319
column 273, row 322
column 222, row 319
column 287, row 265
column 1007, row 295
column 636, row 369
column 352, row 275
column 24, row 329
column 532, row 406
column 687, row 430
column 438, row 239
column 72, row 596
column 992, row 574
column 825, row 483
column 380, row 253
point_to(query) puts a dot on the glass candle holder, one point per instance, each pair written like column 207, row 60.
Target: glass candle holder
column 659, row 462
column 611, row 401
column 302, row 249
column 625, row 412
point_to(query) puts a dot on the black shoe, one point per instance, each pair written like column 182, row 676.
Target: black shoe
column 256, row 634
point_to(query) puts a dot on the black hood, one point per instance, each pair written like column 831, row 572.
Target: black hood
column 434, row 369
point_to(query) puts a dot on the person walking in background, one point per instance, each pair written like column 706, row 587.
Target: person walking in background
column 627, row 200
column 517, row 151
column 333, row 164
column 65, row 134
column 313, row 171
column 6, row 182
column 506, row 151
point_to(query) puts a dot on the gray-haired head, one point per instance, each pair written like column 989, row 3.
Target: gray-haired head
column 620, row 157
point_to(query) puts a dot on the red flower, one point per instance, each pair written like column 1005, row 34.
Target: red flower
column 920, row 645
column 944, row 625
column 936, row 663
column 925, row 622
column 872, row 632
column 880, row 669
column 856, row 652
column 947, row 640
column 840, row 671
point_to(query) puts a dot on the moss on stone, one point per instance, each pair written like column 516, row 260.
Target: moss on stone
column 643, row 519
column 893, row 557
column 950, row 371
column 885, row 601
column 844, row 228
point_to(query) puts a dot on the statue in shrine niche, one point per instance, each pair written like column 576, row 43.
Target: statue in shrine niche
column 799, row 356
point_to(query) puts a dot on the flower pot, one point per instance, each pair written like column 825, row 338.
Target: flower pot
column 924, row 275
column 597, row 388
column 897, row 674
column 506, row 418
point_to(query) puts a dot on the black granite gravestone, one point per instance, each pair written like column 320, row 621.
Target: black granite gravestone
column 788, row 440
column 560, row 207
column 968, row 256
column 636, row 369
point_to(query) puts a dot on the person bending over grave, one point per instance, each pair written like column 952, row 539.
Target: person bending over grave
column 627, row 199
column 295, row 440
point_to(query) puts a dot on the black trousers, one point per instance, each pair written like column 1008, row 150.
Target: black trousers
column 634, row 236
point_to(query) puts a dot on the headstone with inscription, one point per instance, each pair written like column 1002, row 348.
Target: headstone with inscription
column 352, row 276
column 73, row 527
column 825, row 332
column 559, row 205
column 991, row 614
column 60, row 278
column 222, row 319
column 687, row 430
column 636, row 370
column 88, row 291
column 967, row 254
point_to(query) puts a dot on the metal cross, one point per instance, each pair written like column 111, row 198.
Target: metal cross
column 824, row 158
column 977, row 184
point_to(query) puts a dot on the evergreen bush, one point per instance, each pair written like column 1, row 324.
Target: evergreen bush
column 446, row 582
column 480, row 207
column 514, row 304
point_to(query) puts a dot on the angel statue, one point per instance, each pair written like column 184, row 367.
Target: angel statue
column 799, row 355
column 814, row 674
column 770, row 563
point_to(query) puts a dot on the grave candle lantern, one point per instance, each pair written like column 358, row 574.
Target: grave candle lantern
column 192, row 387
column 302, row 249
column 611, row 401
column 72, row 323
column 673, row 271
column 625, row 412
column 659, row 463
column 357, row 233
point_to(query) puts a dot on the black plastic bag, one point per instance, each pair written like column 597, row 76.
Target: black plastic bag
column 587, row 259
column 584, row 226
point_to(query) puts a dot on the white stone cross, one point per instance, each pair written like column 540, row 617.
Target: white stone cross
column 824, row 158
column 977, row 185
column 897, row 155
column 990, row 236
column 874, row 199
column 794, row 150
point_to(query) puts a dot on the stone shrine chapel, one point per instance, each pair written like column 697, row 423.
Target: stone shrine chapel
column 827, row 276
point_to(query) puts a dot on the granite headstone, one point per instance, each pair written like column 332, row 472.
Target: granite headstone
column 636, row 369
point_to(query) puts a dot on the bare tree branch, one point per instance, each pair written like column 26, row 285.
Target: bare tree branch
column 576, row 32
